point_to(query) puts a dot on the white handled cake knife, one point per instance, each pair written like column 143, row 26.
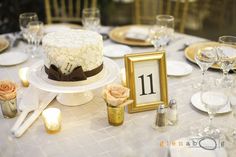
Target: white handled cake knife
column 20, row 131
column 29, row 103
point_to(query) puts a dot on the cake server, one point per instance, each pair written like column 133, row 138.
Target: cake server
column 29, row 103
column 43, row 104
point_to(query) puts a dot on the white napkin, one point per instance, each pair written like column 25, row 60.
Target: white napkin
column 228, row 51
column 197, row 152
column 137, row 33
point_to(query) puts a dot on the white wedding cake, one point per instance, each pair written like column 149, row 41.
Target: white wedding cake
column 73, row 55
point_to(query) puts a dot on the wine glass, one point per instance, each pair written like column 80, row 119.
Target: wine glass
column 231, row 134
column 35, row 31
column 226, row 58
column 214, row 97
column 91, row 19
column 24, row 19
column 162, row 32
column 204, row 58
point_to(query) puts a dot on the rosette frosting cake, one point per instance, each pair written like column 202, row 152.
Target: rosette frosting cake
column 73, row 55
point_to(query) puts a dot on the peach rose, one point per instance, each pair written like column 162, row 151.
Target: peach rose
column 7, row 90
column 115, row 94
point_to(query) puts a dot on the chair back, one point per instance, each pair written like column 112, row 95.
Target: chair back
column 146, row 11
column 66, row 10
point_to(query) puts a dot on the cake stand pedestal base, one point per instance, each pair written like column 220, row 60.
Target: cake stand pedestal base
column 75, row 99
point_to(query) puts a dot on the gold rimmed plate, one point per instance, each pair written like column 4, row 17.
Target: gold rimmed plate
column 3, row 44
column 118, row 35
column 194, row 48
column 60, row 27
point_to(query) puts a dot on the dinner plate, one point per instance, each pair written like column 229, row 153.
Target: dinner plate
column 3, row 44
column 59, row 27
column 118, row 34
column 196, row 102
column 116, row 50
column 177, row 68
column 12, row 58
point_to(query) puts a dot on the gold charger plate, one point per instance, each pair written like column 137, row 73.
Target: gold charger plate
column 3, row 44
column 71, row 25
column 118, row 35
column 192, row 49
column 60, row 26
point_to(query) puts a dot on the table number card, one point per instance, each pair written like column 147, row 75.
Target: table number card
column 146, row 78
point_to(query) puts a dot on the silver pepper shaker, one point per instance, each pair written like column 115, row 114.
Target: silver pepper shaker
column 172, row 113
column 160, row 120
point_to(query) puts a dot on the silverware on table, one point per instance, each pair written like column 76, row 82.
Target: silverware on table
column 186, row 44
column 15, row 38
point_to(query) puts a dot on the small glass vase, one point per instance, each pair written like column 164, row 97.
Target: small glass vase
column 9, row 108
column 115, row 115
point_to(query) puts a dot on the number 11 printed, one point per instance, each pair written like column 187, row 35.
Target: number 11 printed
column 143, row 85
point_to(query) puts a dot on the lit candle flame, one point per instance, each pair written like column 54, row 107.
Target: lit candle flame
column 23, row 76
column 52, row 119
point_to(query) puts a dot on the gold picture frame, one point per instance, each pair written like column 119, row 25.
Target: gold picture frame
column 147, row 79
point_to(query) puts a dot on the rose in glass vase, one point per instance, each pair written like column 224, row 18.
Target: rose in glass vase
column 116, row 97
column 8, row 98
column 115, row 94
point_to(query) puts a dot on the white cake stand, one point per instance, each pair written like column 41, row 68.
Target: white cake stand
column 73, row 93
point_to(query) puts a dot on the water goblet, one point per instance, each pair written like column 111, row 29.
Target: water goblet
column 91, row 19
column 35, row 31
column 226, row 58
column 162, row 32
column 204, row 58
column 24, row 19
column 231, row 134
column 214, row 97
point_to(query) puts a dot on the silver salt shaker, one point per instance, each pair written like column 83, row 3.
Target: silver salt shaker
column 172, row 113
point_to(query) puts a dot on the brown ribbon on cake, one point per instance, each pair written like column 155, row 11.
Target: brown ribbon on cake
column 76, row 75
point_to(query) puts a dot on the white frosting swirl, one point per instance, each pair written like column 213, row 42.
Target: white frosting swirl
column 73, row 48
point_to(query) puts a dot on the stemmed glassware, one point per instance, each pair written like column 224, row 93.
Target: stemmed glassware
column 162, row 32
column 214, row 97
column 91, row 19
column 24, row 20
column 35, row 31
column 204, row 58
column 226, row 58
column 231, row 134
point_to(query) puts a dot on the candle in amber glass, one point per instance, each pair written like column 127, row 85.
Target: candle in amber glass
column 123, row 76
column 52, row 120
column 23, row 76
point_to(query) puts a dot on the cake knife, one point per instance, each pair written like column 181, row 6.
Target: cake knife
column 20, row 131
column 26, row 106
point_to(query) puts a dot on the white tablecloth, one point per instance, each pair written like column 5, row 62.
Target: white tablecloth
column 86, row 132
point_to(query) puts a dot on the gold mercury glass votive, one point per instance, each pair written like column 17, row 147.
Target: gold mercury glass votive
column 52, row 120
column 23, row 76
column 8, row 108
column 115, row 115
